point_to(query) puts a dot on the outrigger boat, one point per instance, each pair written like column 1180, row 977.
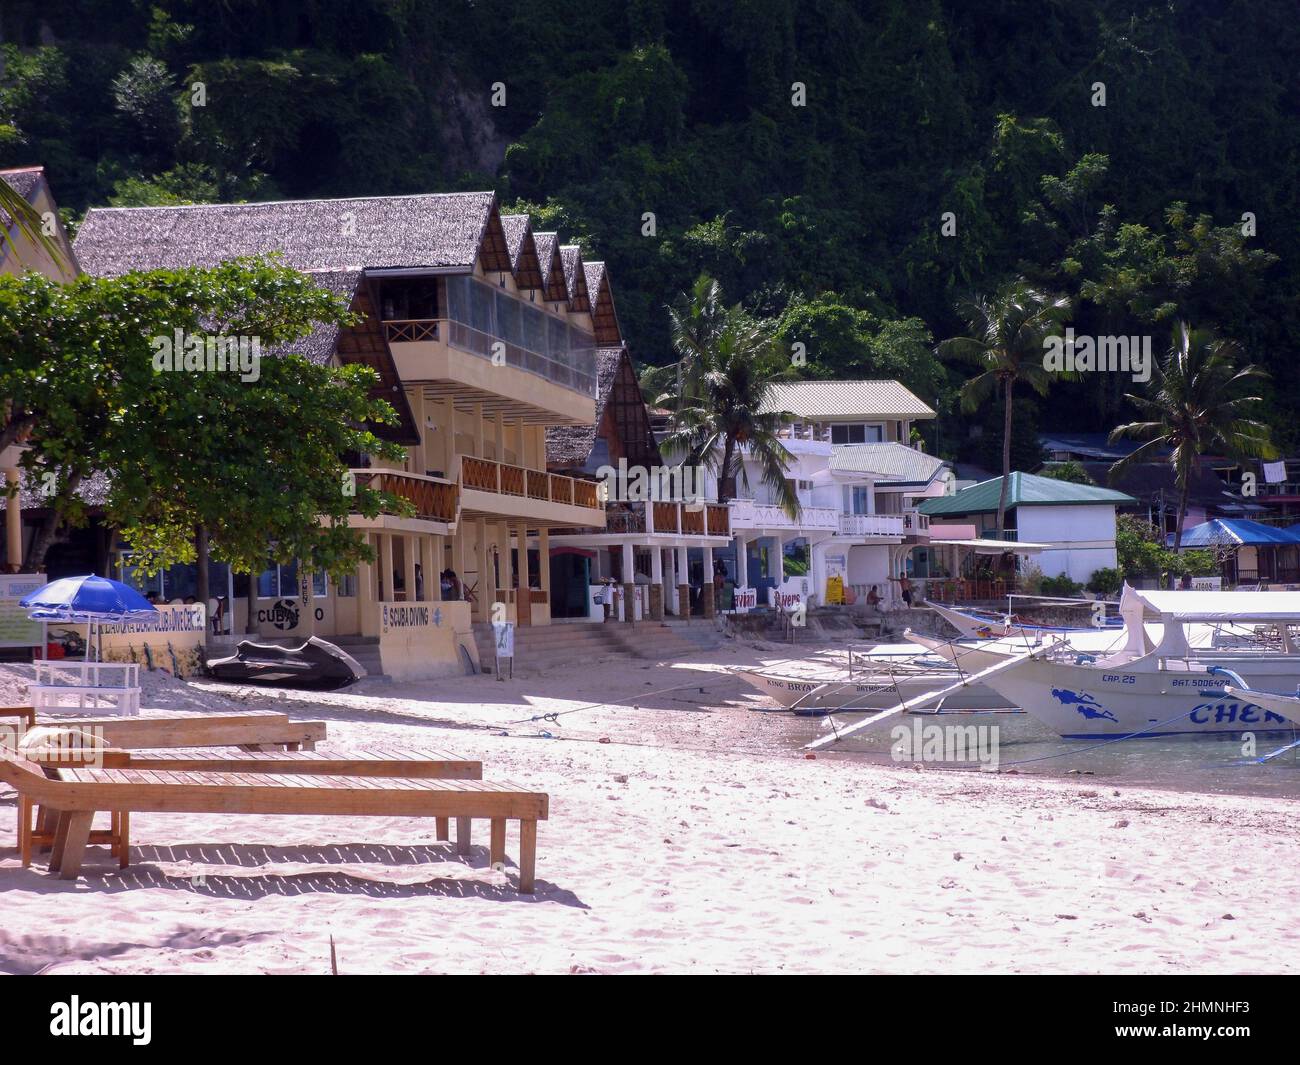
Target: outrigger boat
column 1171, row 689
column 974, row 624
column 874, row 689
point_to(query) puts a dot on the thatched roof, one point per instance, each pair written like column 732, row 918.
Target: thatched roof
column 548, row 257
column 523, row 251
column 570, row 446
column 603, row 318
column 373, row 232
column 575, row 278
column 320, row 344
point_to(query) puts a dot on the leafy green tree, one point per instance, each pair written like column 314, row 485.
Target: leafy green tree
column 1195, row 406
column 1066, row 471
column 1006, row 344
column 729, row 362
column 253, row 462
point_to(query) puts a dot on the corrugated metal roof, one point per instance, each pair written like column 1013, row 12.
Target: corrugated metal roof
column 893, row 462
column 1024, row 490
column 846, row 400
column 1234, row 532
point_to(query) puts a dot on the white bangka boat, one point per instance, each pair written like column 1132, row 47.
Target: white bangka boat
column 1169, row 689
column 974, row 624
column 878, row 686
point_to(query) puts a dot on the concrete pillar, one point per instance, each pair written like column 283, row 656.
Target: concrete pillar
column 366, row 614
column 777, row 560
column 485, row 590
column 499, row 436
column 683, row 584
column 629, row 585
column 478, row 430
column 431, row 564
column 656, row 583
column 388, row 593
column 524, row 597
column 544, row 566
column 706, row 595
column 418, row 412
column 13, row 523
column 742, row 563
column 505, row 565
column 408, row 566
column 449, row 468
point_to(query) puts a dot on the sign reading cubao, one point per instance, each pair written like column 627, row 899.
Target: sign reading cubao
column 15, row 628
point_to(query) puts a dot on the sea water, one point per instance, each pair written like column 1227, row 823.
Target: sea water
column 1028, row 747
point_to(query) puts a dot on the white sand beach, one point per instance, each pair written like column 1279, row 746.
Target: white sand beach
column 687, row 833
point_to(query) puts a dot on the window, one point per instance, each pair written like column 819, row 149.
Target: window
column 281, row 582
column 408, row 299
column 861, row 499
column 857, row 434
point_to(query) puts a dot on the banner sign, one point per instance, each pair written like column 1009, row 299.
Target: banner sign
column 15, row 629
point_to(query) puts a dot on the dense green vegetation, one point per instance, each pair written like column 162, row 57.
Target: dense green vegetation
column 826, row 217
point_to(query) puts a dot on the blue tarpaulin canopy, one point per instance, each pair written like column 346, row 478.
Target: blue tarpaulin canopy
column 1236, row 532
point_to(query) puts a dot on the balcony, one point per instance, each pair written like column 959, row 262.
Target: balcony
column 747, row 515
column 498, row 489
column 434, row 499
column 915, row 523
column 871, row 525
column 667, row 518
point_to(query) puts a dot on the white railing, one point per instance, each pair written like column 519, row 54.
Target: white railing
column 871, row 525
column 746, row 514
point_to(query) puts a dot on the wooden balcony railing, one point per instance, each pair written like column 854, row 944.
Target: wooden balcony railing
column 719, row 519
column 485, row 475
column 433, row 498
column 692, row 522
column 411, row 330
column 666, row 518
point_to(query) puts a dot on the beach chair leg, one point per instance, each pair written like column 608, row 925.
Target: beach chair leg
column 497, row 851
column 527, row 856
column 75, row 839
column 112, row 832
column 25, row 829
column 47, row 821
column 444, row 827
column 462, row 835
column 60, row 840
column 123, row 839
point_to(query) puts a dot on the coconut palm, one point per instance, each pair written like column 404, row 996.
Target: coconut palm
column 14, row 210
column 1006, row 342
column 1194, row 407
column 729, row 365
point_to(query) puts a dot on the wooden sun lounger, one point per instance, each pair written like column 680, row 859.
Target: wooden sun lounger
column 256, row 728
column 367, row 762
column 78, row 794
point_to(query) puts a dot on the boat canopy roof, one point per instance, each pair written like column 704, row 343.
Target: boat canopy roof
column 1214, row 606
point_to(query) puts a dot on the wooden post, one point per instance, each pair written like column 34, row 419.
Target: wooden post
column 75, row 838
column 527, row 856
column 498, row 848
column 462, row 835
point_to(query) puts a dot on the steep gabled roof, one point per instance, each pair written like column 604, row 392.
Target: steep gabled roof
column 846, row 400
column 548, row 257
column 1023, row 490
column 571, row 446
column 575, row 278
column 29, row 182
column 603, row 317
column 523, row 251
column 375, row 232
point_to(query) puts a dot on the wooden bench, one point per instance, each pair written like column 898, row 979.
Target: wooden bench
column 78, row 794
column 364, row 762
column 256, row 728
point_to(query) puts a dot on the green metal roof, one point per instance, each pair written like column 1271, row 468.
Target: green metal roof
column 1024, row 490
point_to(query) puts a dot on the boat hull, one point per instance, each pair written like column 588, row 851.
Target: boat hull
column 805, row 696
column 1085, row 702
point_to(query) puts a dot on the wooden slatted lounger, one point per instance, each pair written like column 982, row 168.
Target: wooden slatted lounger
column 77, row 794
column 367, row 762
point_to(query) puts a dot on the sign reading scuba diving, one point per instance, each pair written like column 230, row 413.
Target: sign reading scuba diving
column 15, row 628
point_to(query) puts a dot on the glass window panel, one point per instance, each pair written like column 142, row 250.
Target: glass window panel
column 267, row 583
column 458, row 298
column 508, row 323
column 557, row 340
column 481, row 298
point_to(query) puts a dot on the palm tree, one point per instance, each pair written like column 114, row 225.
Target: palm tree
column 19, row 212
column 1006, row 343
column 1194, row 409
column 729, row 363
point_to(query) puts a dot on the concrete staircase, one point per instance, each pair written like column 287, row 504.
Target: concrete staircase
column 538, row 647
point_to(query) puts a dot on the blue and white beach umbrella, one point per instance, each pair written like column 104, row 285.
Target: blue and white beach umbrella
column 89, row 601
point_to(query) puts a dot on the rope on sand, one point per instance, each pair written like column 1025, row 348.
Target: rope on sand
column 555, row 715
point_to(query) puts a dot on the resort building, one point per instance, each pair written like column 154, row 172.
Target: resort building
column 655, row 549
column 484, row 335
column 1069, row 528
